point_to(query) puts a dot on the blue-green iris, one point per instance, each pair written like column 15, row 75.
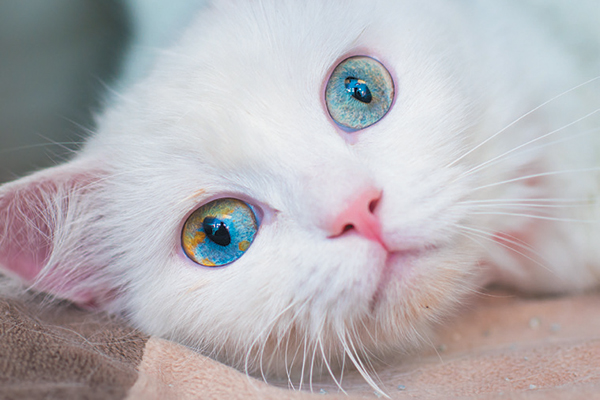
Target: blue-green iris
column 359, row 92
column 219, row 232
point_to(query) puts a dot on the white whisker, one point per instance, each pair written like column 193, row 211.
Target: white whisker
column 483, row 164
column 511, row 249
column 286, row 362
column 312, row 366
column 268, row 328
column 525, row 150
column 303, row 361
column 539, row 175
column 527, row 200
column 343, row 367
column 521, row 118
column 558, row 219
column 338, row 384
column 362, row 370
column 525, row 206
column 37, row 145
column 512, row 240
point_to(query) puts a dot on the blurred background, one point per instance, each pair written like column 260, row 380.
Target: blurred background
column 57, row 58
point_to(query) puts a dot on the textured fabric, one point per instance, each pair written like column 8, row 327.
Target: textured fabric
column 502, row 346
column 172, row 372
column 65, row 353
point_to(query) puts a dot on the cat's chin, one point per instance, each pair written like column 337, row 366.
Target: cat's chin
column 400, row 315
column 419, row 288
column 397, row 267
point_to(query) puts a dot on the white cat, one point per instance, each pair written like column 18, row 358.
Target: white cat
column 315, row 182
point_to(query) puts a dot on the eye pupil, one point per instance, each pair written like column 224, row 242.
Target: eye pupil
column 359, row 89
column 216, row 231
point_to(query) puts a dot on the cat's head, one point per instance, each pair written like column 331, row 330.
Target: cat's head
column 356, row 245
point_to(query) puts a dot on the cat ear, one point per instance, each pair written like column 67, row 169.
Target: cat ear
column 44, row 233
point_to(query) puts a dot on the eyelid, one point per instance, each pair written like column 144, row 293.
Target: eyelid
column 261, row 211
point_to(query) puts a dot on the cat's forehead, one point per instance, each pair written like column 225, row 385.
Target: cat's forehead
column 243, row 83
column 242, row 44
column 244, row 66
column 243, row 91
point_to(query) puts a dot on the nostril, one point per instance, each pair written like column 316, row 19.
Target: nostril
column 373, row 205
column 347, row 228
column 359, row 215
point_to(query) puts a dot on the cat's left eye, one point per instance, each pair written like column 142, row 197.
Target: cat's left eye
column 219, row 232
column 359, row 93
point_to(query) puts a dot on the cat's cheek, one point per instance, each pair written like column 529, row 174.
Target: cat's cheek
column 430, row 283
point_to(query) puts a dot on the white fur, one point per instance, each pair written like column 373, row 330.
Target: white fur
column 235, row 108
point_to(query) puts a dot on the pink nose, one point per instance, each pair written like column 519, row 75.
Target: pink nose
column 358, row 215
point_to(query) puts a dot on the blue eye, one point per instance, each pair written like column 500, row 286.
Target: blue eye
column 359, row 92
column 219, row 232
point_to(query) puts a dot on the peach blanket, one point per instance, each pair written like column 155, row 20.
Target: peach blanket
column 501, row 347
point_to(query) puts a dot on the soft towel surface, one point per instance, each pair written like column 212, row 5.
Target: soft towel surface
column 502, row 346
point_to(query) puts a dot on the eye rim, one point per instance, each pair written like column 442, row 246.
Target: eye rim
column 256, row 212
column 367, row 54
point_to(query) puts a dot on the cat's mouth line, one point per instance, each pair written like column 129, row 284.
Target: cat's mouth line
column 391, row 267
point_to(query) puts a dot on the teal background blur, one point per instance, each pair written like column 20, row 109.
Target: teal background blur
column 56, row 59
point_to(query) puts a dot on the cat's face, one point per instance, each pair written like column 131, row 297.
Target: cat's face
column 248, row 120
column 238, row 110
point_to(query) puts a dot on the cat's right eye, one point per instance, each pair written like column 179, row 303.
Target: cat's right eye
column 219, row 232
column 359, row 93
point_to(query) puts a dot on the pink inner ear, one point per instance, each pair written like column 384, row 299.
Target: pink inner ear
column 29, row 209
column 26, row 244
column 26, row 266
